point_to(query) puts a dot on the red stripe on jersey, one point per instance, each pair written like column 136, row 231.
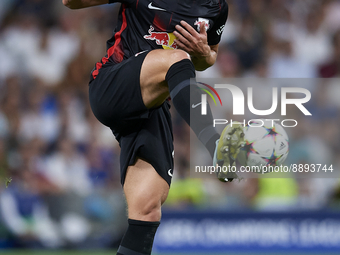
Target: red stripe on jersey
column 170, row 19
column 95, row 72
column 158, row 23
column 112, row 50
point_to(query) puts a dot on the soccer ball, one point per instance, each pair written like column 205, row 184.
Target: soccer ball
column 264, row 145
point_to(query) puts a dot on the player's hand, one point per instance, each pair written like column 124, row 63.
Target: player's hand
column 189, row 40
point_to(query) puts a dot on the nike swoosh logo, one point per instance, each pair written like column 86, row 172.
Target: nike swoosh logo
column 195, row 105
column 169, row 173
column 150, row 6
column 140, row 53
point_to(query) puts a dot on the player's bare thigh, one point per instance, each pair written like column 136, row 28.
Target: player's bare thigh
column 152, row 78
column 145, row 191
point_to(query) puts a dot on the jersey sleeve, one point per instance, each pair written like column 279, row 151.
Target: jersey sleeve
column 215, row 33
column 122, row 1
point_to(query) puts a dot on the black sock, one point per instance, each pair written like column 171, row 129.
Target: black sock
column 138, row 238
column 178, row 78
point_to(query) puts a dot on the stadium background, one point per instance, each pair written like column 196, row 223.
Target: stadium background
column 65, row 192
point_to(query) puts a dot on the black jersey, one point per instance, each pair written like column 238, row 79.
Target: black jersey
column 148, row 24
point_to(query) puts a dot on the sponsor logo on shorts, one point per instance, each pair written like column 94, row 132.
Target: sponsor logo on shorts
column 169, row 172
column 140, row 53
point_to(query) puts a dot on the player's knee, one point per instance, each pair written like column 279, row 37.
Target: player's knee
column 177, row 56
column 151, row 210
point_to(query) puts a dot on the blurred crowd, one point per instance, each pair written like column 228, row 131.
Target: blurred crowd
column 64, row 165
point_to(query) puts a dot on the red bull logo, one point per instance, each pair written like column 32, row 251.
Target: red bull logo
column 162, row 38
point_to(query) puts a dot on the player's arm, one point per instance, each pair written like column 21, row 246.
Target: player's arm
column 196, row 44
column 202, row 45
column 78, row 4
column 203, row 62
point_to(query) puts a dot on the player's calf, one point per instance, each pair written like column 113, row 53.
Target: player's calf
column 184, row 90
column 138, row 239
column 145, row 191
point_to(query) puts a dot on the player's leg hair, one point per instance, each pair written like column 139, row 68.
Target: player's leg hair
column 168, row 72
column 145, row 191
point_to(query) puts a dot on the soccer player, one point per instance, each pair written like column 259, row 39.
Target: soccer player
column 152, row 55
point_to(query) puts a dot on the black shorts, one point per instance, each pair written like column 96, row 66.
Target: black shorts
column 116, row 101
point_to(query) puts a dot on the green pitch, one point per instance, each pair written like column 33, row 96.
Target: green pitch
column 114, row 252
column 57, row 252
column 23, row 252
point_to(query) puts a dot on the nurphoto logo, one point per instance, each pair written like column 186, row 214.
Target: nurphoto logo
column 238, row 99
